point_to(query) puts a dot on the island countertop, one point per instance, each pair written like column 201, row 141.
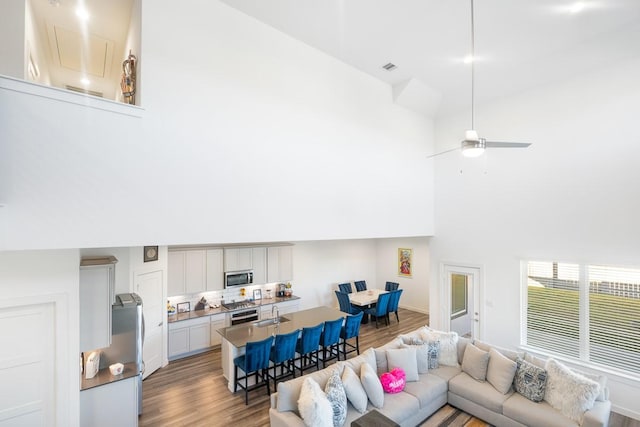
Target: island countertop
column 239, row 335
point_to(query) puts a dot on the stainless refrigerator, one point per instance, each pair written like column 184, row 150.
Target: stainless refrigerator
column 127, row 337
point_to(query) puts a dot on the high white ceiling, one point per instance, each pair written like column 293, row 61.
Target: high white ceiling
column 520, row 44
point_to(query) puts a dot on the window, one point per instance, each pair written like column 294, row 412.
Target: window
column 586, row 312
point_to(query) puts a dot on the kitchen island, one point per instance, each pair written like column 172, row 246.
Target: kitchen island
column 235, row 338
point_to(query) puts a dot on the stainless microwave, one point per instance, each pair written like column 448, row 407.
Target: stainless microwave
column 238, row 278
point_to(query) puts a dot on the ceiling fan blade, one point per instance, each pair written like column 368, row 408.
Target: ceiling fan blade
column 495, row 144
column 442, row 152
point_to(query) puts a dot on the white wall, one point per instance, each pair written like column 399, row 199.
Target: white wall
column 248, row 136
column 572, row 196
column 34, row 49
column 12, row 29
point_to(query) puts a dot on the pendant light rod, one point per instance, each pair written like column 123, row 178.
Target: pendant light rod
column 473, row 60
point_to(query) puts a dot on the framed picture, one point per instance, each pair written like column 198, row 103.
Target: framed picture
column 404, row 262
column 459, row 289
column 257, row 294
column 184, row 307
column 150, row 253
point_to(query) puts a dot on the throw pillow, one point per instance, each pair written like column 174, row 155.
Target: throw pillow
column 530, row 380
column 406, row 359
column 500, row 371
column 353, row 389
column 313, row 405
column 381, row 355
column 448, row 346
column 600, row 379
column 433, row 350
column 394, row 381
column 422, row 356
column 570, row 393
column 371, row 385
column 475, row 362
column 337, row 397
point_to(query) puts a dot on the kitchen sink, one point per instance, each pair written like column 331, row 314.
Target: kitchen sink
column 270, row 322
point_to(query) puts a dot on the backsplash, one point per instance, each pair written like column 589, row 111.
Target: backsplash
column 216, row 297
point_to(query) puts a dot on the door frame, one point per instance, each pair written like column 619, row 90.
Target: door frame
column 477, row 278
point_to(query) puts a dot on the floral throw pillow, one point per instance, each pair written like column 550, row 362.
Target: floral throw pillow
column 530, row 380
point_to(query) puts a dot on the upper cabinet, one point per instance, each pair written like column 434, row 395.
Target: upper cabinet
column 279, row 264
column 97, row 293
column 187, row 272
column 259, row 256
column 237, row 259
column 215, row 270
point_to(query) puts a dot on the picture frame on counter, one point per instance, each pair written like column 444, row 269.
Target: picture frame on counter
column 257, row 294
column 183, row 307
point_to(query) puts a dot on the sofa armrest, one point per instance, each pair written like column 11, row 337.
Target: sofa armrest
column 274, row 400
column 598, row 416
column 284, row 419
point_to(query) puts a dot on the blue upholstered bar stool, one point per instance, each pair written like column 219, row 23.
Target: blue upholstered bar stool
column 254, row 361
column 350, row 330
column 391, row 286
column 380, row 310
column 345, row 304
column 361, row 285
column 330, row 340
column 307, row 348
column 282, row 354
column 345, row 287
column 394, row 300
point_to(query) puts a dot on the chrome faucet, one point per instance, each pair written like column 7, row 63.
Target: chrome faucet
column 276, row 319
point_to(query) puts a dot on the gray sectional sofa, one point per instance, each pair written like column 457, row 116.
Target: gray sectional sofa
column 445, row 384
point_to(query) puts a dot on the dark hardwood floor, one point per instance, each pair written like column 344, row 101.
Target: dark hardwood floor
column 192, row 391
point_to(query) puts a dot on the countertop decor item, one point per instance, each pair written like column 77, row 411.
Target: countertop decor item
column 257, row 294
column 184, row 307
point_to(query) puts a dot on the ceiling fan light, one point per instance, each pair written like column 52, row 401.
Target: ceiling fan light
column 473, row 148
column 471, row 135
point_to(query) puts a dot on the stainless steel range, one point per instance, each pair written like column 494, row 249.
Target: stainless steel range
column 243, row 311
column 236, row 305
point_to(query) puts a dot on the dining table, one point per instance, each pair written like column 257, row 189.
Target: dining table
column 364, row 299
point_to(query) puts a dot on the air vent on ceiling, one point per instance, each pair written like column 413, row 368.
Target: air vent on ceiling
column 85, row 91
column 390, row 66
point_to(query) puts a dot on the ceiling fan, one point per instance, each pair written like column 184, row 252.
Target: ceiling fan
column 472, row 145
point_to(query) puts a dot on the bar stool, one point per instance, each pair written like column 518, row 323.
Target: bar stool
column 254, row 361
column 351, row 329
column 282, row 354
column 345, row 287
column 330, row 340
column 307, row 348
column 361, row 285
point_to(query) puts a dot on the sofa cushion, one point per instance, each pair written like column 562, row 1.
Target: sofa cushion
column 337, row 397
column 427, row 388
column 400, row 406
column 422, row 356
column 475, row 362
column 381, row 355
column 530, row 380
column 354, row 390
column 371, row 384
column 289, row 391
column 446, row 372
column 368, row 357
column 461, row 347
column 523, row 410
column 413, row 336
column 448, row 346
column 511, row 354
column 500, row 371
column 570, row 393
column 404, row 358
column 481, row 393
column 315, row 409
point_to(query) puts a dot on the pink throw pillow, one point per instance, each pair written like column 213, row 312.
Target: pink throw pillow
column 394, row 381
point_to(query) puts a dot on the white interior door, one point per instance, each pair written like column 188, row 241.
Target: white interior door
column 149, row 287
column 27, row 373
column 461, row 292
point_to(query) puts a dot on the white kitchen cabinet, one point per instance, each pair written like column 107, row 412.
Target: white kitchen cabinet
column 112, row 404
column 237, row 259
column 215, row 270
column 189, row 336
column 200, row 336
column 218, row 321
column 186, row 272
column 259, row 257
column 178, row 342
column 97, row 293
column 279, row 264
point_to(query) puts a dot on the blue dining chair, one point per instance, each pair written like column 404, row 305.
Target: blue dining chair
column 350, row 330
column 380, row 310
column 391, row 286
column 345, row 303
column 394, row 300
column 345, row 287
column 282, row 354
column 307, row 348
column 254, row 361
column 361, row 285
column 330, row 340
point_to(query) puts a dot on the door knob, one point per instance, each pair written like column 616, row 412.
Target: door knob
column 160, row 324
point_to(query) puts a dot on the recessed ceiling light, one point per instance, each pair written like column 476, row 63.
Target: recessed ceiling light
column 82, row 13
column 85, row 81
column 577, row 7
